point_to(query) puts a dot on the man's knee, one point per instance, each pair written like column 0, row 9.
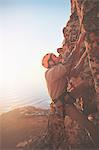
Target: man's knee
column 58, row 108
column 83, row 86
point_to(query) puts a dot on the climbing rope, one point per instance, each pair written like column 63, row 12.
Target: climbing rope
column 90, row 137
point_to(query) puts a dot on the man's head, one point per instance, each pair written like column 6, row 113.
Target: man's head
column 49, row 60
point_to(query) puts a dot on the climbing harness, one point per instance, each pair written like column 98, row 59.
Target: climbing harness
column 63, row 101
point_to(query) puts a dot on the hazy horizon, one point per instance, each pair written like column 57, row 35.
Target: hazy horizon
column 28, row 30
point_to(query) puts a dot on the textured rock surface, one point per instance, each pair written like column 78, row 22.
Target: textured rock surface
column 84, row 17
column 88, row 18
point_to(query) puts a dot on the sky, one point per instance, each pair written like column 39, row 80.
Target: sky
column 28, row 30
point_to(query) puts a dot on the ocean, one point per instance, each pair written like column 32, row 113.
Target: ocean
column 15, row 97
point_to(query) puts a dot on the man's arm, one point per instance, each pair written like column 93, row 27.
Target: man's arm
column 57, row 72
column 81, row 60
column 77, row 69
column 75, row 54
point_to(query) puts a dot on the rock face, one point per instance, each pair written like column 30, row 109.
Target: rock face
column 84, row 18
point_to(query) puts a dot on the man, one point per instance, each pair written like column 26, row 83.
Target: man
column 55, row 76
column 55, row 89
column 57, row 83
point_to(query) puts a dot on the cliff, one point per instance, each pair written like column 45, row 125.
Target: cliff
column 84, row 18
column 30, row 132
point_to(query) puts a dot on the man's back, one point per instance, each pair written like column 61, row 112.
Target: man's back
column 56, row 80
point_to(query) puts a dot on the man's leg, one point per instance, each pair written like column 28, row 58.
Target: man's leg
column 88, row 95
column 56, row 128
column 82, row 120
